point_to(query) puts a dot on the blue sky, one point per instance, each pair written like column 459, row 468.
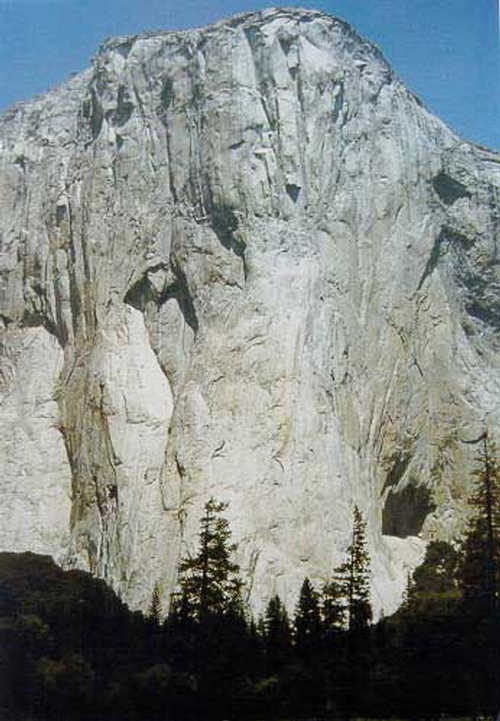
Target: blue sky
column 447, row 51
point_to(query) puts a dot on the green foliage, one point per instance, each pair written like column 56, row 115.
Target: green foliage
column 479, row 578
column 33, row 633
column 154, row 612
column 69, row 649
column 151, row 686
column 64, row 683
column 209, row 583
column 437, row 572
column 278, row 635
column 353, row 576
column 207, row 636
column 67, row 639
column 480, row 568
column 307, row 620
column 433, row 585
column 333, row 609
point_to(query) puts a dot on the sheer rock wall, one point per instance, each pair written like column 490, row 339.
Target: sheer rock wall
column 242, row 261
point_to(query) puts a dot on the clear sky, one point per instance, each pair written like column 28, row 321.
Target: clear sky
column 446, row 51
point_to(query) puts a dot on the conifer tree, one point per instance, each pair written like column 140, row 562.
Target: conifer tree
column 310, row 677
column 333, row 614
column 307, row 619
column 408, row 600
column 209, row 582
column 353, row 576
column 480, row 569
column 479, row 578
column 278, row 635
column 351, row 677
column 154, row 612
column 333, row 609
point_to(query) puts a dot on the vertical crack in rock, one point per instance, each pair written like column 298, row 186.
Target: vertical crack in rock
column 75, row 297
column 92, row 115
column 124, row 108
column 338, row 100
column 36, row 311
column 167, row 99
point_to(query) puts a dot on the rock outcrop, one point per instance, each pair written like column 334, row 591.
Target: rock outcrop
column 242, row 261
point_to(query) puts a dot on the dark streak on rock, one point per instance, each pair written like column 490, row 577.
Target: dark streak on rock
column 405, row 511
column 142, row 292
column 433, row 260
column 397, row 470
column 225, row 224
column 124, row 108
column 448, row 189
column 293, row 191
column 93, row 114
column 338, row 102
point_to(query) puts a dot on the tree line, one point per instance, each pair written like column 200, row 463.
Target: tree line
column 69, row 648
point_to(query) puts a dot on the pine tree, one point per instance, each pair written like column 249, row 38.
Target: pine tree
column 154, row 612
column 352, row 674
column 310, row 676
column 408, row 600
column 307, row 619
column 479, row 580
column 353, row 576
column 480, row 569
column 333, row 609
column 209, row 583
column 278, row 635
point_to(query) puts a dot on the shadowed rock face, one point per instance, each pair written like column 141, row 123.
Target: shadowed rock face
column 242, row 261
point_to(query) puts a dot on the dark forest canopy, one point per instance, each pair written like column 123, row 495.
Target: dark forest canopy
column 70, row 649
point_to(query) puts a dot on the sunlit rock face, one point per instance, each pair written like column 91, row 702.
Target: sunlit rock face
column 242, row 261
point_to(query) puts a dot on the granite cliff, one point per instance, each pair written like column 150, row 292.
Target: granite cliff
column 242, row 261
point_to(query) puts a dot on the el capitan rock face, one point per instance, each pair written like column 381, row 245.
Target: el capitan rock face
column 242, row 261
